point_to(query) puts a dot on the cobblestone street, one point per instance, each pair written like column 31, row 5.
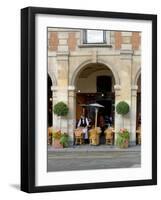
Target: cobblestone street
column 93, row 157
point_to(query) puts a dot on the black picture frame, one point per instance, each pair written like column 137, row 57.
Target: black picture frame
column 28, row 98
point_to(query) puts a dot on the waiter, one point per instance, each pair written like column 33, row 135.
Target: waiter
column 84, row 123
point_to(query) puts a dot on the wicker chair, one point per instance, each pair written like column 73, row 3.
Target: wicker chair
column 78, row 136
column 109, row 136
column 94, row 136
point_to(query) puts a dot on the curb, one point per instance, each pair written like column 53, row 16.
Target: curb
column 95, row 149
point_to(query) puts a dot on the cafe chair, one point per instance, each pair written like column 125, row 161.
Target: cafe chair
column 94, row 136
column 78, row 136
column 109, row 136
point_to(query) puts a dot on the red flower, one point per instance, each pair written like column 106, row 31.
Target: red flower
column 121, row 130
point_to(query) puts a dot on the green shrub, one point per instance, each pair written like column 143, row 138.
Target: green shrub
column 64, row 140
column 60, row 109
column 122, row 108
column 123, row 137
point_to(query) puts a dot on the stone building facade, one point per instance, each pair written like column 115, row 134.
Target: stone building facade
column 74, row 64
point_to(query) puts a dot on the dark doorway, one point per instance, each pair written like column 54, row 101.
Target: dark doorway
column 138, row 113
column 106, row 112
column 104, row 84
column 49, row 100
column 98, row 91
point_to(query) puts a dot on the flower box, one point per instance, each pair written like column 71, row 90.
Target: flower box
column 56, row 144
column 123, row 137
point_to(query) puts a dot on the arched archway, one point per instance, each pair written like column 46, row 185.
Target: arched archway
column 53, row 79
column 94, row 83
column 83, row 65
column 137, row 75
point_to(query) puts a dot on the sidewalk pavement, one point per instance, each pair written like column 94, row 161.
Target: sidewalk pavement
column 92, row 148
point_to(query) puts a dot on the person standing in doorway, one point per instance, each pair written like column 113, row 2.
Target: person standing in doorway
column 84, row 123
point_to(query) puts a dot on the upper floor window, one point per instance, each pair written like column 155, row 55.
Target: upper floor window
column 94, row 37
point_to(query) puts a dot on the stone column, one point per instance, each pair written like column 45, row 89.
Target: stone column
column 72, row 112
column 61, row 91
column 61, row 72
column 133, row 114
column 126, row 79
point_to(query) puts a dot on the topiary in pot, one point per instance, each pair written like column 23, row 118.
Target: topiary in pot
column 122, row 108
column 60, row 109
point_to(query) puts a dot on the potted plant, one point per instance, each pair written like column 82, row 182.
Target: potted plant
column 122, row 108
column 60, row 140
column 56, row 136
column 60, row 109
column 64, row 140
column 122, row 140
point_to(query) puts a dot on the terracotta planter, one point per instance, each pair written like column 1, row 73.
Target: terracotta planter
column 56, row 144
column 124, row 145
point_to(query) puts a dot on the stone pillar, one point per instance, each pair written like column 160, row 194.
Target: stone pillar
column 61, row 91
column 72, row 112
column 133, row 114
column 118, row 119
column 126, row 79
